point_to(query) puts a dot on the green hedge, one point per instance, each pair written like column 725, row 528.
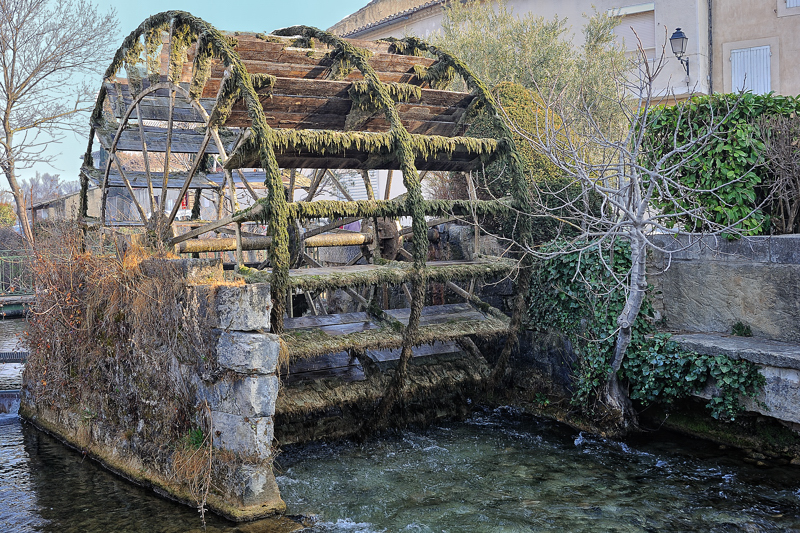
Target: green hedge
column 735, row 153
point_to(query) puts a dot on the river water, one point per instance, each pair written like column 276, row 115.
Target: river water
column 498, row 471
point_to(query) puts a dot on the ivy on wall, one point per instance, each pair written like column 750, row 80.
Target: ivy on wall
column 580, row 296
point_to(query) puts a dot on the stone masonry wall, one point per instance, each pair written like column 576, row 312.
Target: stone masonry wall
column 708, row 285
column 240, row 392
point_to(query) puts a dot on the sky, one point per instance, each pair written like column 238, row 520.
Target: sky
column 240, row 15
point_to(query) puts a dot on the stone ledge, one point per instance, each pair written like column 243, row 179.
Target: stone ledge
column 778, row 249
column 762, row 351
column 779, row 364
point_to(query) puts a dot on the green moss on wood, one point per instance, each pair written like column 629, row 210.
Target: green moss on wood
column 391, row 272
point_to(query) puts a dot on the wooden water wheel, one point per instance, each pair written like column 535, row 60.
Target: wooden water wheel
column 302, row 104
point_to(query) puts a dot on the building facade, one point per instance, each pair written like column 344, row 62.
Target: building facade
column 737, row 44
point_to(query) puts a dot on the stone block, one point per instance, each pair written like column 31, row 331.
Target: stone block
column 710, row 248
column 785, row 249
column 461, row 241
column 245, row 435
column 711, row 296
column 248, row 396
column 248, row 353
column 780, row 397
column 257, row 484
column 243, row 307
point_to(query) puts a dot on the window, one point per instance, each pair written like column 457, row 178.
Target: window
column 792, row 3
column 644, row 26
column 750, row 69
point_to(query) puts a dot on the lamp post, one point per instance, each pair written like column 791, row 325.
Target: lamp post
column 678, row 42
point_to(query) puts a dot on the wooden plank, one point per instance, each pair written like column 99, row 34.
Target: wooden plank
column 345, row 329
column 425, row 125
column 432, row 311
column 297, row 95
column 337, row 365
column 183, row 141
column 385, row 358
column 333, row 360
column 305, row 322
column 347, row 374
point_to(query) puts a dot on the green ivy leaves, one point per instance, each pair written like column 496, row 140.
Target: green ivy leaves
column 576, row 296
column 726, row 172
column 660, row 372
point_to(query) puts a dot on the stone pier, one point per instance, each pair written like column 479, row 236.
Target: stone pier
column 234, row 394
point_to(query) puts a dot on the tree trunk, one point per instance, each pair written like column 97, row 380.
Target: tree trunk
column 19, row 199
column 615, row 398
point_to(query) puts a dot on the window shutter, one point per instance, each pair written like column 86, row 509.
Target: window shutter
column 354, row 184
column 792, row 3
column 750, row 69
column 645, row 25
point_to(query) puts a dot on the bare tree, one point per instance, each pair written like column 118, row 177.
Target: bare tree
column 46, row 49
column 46, row 187
column 616, row 166
column 782, row 153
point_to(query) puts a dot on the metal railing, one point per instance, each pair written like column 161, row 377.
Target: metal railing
column 16, row 274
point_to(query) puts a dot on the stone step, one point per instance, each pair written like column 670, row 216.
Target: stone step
column 762, row 351
column 779, row 363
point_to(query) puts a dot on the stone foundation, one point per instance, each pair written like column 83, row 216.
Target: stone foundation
column 239, row 396
column 705, row 286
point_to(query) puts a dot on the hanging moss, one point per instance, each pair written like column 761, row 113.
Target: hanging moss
column 391, row 272
column 364, row 98
column 152, row 43
column 201, row 69
column 181, row 40
column 339, row 143
column 390, row 334
column 365, row 105
column 132, row 60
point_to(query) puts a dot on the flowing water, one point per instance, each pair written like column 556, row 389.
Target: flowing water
column 497, row 471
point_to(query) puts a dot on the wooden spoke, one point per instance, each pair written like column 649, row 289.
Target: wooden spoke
column 339, row 186
column 146, row 158
column 185, row 187
column 388, row 190
column 142, row 214
column 315, row 182
column 168, row 151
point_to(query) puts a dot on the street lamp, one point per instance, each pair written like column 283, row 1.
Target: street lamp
column 678, row 42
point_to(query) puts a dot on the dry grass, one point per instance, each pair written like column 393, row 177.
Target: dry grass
column 108, row 342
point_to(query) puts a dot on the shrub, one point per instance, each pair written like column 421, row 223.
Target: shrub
column 730, row 167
